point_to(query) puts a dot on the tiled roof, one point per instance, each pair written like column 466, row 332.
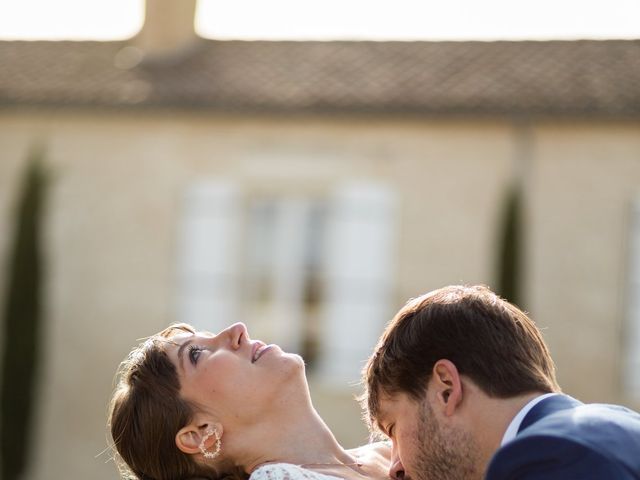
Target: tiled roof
column 568, row 78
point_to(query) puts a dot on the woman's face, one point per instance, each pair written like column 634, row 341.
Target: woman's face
column 231, row 375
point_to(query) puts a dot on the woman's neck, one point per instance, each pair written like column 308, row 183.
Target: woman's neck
column 297, row 435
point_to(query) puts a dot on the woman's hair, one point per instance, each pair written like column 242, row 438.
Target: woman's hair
column 147, row 411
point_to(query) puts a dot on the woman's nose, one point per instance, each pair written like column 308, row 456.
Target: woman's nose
column 236, row 332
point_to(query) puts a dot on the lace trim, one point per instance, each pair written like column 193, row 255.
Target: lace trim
column 287, row 471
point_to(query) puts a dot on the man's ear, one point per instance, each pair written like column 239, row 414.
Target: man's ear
column 191, row 436
column 446, row 383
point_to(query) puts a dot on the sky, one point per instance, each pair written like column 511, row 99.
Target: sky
column 333, row 19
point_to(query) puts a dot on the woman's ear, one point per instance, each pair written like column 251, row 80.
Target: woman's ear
column 195, row 435
column 447, row 385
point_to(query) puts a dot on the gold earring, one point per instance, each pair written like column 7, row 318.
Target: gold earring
column 206, row 453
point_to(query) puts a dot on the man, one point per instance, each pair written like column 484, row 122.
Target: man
column 464, row 385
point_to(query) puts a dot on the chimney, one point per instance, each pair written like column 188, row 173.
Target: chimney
column 168, row 28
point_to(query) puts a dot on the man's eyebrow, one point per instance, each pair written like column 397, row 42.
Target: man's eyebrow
column 379, row 420
column 180, row 350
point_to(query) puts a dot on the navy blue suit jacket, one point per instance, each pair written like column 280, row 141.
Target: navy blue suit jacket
column 563, row 439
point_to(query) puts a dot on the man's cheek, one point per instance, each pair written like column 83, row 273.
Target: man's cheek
column 407, row 451
column 403, row 452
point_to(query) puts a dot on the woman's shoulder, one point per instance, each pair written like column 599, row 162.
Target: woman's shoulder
column 375, row 458
column 286, row 471
column 373, row 452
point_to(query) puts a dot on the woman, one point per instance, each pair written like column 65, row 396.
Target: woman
column 196, row 405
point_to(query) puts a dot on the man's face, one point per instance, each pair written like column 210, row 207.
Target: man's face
column 425, row 447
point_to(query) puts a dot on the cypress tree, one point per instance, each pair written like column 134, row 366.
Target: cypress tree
column 510, row 249
column 22, row 314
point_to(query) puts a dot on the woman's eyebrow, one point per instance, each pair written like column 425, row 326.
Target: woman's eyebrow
column 180, row 354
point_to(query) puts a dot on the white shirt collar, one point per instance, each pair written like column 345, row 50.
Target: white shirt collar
column 512, row 429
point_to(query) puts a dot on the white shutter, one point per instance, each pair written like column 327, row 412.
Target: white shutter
column 360, row 275
column 632, row 336
column 208, row 255
column 288, row 274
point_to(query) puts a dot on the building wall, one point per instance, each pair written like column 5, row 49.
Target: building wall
column 583, row 180
column 115, row 207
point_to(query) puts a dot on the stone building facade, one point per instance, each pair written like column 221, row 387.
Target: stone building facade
column 309, row 189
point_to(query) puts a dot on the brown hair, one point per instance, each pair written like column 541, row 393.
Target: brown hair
column 488, row 339
column 147, row 411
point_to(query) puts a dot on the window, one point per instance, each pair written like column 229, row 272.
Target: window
column 313, row 274
column 282, row 288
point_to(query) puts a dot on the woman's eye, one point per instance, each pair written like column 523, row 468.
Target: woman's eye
column 390, row 430
column 194, row 353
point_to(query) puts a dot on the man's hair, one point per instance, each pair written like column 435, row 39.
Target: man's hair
column 489, row 340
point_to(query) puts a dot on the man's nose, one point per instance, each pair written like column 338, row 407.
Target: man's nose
column 396, row 472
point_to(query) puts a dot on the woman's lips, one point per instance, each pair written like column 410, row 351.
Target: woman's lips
column 261, row 351
column 258, row 350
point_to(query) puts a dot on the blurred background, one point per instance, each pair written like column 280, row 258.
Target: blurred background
column 305, row 169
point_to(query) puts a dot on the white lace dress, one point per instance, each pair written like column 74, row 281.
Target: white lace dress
column 287, row 471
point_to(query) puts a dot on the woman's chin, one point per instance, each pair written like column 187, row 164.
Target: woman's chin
column 296, row 362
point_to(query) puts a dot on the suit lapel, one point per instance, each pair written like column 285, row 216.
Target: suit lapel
column 547, row 407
